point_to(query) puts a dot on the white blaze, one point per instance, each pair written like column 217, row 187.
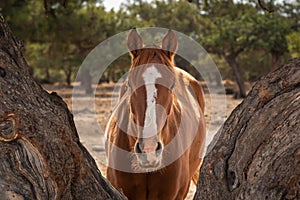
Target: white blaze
column 150, row 75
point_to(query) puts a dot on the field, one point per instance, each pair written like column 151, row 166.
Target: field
column 90, row 122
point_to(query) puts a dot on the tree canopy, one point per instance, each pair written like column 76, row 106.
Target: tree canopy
column 244, row 40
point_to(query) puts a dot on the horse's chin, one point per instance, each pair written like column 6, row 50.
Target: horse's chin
column 149, row 166
column 145, row 168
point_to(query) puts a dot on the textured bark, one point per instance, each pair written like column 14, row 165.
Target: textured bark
column 257, row 155
column 41, row 156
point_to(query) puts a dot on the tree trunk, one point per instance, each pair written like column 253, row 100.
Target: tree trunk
column 68, row 74
column 238, row 74
column 86, row 81
column 112, row 75
column 41, row 156
column 48, row 77
column 275, row 58
column 257, row 154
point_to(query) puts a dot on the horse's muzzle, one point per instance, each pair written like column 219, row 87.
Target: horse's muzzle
column 149, row 152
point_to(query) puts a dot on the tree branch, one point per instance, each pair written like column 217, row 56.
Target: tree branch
column 264, row 7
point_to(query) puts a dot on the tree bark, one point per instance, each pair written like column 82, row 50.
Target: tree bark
column 257, row 154
column 238, row 74
column 41, row 156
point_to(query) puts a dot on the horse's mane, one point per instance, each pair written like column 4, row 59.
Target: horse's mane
column 152, row 54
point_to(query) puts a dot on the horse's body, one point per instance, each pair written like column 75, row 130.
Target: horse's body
column 181, row 98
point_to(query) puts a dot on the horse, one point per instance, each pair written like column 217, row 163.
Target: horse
column 156, row 132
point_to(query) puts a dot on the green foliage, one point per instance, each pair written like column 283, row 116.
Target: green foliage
column 244, row 27
column 177, row 15
column 61, row 40
column 56, row 44
column 241, row 31
column 294, row 43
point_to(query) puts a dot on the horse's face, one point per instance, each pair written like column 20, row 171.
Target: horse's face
column 151, row 81
column 150, row 104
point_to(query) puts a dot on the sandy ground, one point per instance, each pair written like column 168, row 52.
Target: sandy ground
column 91, row 115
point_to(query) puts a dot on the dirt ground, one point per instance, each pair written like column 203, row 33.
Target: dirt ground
column 91, row 114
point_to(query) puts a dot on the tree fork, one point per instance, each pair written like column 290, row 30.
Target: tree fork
column 41, row 156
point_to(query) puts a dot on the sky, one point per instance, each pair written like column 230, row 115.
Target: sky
column 109, row 4
column 115, row 4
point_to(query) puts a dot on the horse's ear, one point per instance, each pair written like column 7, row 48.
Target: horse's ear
column 170, row 43
column 134, row 42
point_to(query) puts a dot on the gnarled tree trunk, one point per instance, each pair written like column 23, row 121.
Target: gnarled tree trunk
column 257, row 155
column 41, row 156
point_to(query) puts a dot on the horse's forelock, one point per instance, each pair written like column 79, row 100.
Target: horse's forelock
column 152, row 55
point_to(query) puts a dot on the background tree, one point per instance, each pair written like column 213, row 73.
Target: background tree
column 244, row 41
column 57, row 43
column 232, row 29
column 238, row 33
column 294, row 44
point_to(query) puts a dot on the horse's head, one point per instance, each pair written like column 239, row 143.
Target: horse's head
column 151, row 81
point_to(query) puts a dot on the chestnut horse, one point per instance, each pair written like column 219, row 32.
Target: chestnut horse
column 155, row 136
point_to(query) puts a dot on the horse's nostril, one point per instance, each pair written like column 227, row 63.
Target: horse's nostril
column 137, row 148
column 158, row 148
